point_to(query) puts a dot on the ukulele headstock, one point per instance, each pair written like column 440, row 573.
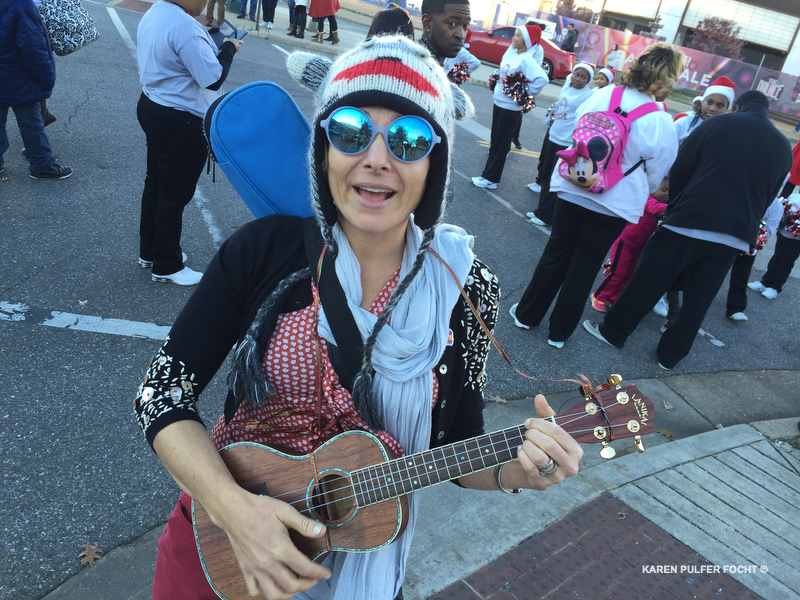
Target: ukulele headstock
column 616, row 413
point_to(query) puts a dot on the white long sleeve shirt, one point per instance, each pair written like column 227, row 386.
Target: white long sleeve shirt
column 522, row 62
column 652, row 137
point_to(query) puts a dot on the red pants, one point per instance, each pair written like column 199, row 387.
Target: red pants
column 623, row 263
column 179, row 573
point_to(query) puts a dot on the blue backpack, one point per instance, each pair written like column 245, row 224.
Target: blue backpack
column 260, row 139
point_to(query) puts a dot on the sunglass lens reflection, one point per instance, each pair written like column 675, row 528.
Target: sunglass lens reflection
column 350, row 131
column 409, row 139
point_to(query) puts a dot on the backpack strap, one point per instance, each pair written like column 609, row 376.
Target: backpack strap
column 616, row 105
column 348, row 353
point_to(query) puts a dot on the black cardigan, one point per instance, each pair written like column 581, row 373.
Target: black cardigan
column 239, row 279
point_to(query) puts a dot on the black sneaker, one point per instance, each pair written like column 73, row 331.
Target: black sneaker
column 54, row 171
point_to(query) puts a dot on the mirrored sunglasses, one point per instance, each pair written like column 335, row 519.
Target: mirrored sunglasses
column 408, row 138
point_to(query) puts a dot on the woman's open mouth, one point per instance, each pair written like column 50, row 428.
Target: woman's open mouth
column 374, row 194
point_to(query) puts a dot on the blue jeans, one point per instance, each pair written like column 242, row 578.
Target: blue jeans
column 253, row 6
column 31, row 128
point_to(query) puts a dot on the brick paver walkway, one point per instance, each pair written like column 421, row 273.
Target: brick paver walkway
column 599, row 551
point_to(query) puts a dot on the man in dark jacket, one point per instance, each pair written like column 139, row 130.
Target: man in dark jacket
column 28, row 73
column 727, row 173
column 568, row 45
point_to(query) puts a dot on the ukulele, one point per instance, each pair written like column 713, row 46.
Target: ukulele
column 355, row 485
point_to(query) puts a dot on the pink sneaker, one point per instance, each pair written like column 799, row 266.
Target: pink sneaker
column 598, row 305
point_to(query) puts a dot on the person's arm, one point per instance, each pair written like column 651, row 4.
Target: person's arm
column 32, row 42
column 225, row 58
column 198, row 343
column 535, row 74
column 473, row 62
column 543, row 441
column 257, row 526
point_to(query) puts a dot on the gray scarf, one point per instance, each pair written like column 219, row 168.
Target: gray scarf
column 405, row 353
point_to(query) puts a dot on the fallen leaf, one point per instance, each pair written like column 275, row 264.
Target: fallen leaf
column 90, row 554
column 621, row 466
column 668, row 405
column 83, row 302
column 667, row 434
column 497, row 399
column 719, row 426
column 622, row 516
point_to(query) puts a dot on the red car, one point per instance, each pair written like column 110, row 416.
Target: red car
column 491, row 45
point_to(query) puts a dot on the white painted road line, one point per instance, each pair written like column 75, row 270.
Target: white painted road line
column 123, row 33
column 63, row 320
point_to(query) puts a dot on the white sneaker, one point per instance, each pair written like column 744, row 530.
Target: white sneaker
column 148, row 264
column 770, row 293
column 535, row 187
column 269, row 24
column 513, row 312
column 661, row 308
column 756, row 286
column 483, row 183
column 594, row 329
column 183, row 277
column 264, row 24
column 536, row 220
column 739, row 316
column 558, row 345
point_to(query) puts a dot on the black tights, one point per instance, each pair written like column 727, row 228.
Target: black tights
column 331, row 20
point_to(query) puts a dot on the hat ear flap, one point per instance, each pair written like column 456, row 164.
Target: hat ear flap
column 464, row 109
column 308, row 69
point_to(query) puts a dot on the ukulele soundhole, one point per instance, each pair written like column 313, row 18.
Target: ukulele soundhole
column 334, row 500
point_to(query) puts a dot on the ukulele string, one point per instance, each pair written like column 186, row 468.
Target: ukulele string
column 411, row 477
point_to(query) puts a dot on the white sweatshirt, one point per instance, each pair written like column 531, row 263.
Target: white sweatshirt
column 652, row 137
column 522, row 62
column 569, row 101
column 462, row 56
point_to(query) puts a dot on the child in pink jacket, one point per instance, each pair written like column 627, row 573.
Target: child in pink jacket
column 626, row 250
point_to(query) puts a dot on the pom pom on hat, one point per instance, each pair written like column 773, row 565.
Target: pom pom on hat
column 724, row 87
column 608, row 73
column 587, row 67
column 531, row 34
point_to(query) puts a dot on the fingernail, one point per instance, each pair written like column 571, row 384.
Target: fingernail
column 528, row 422
column 317, row 529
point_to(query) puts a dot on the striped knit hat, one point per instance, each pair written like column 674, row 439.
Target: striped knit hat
column 392, row 72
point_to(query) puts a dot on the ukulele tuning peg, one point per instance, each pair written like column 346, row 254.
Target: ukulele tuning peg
column 615, row 379
column 585, row 391
column 607, row 451
column 637, row 439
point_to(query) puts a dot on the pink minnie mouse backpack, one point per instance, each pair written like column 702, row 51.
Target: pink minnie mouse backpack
column 594, row 162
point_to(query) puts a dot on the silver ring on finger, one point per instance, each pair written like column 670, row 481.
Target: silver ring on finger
column 548, row 469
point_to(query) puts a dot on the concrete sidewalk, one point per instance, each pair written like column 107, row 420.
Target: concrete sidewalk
column 724, row 498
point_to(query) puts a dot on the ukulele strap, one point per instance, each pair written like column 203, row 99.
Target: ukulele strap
column 585, row 383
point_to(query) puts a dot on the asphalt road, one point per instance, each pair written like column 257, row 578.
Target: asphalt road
column 74, row 468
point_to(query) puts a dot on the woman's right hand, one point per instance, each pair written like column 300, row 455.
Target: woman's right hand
column 258, row 529
column 236, row 43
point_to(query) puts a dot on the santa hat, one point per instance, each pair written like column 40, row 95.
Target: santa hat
column 608, row 73
column 531, row 34
column 697, row 99
column 588, row 68
column 724, row 87
column 396, row 73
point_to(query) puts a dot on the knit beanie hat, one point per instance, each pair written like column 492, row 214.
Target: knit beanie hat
column 588, row 68
column 608, row 73
column 392, row 72
column 723, row 86
column 531, row 34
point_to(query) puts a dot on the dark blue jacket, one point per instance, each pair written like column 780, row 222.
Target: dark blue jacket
column 27, row 66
